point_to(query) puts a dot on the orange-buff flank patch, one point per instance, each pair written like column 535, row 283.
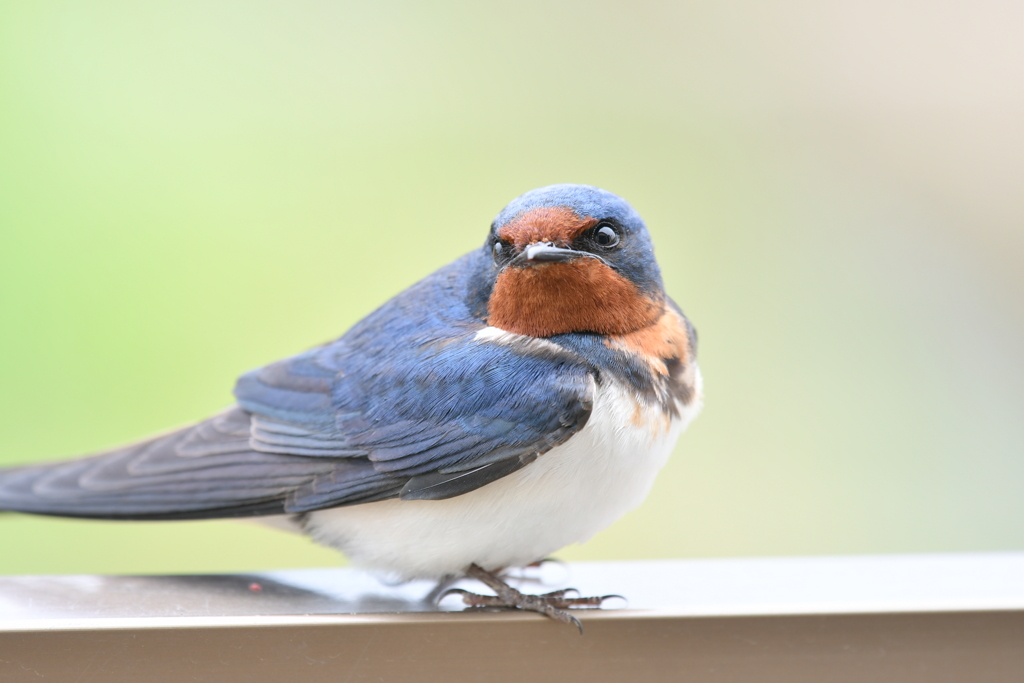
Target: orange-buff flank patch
column 665, row 340
column 583, row 295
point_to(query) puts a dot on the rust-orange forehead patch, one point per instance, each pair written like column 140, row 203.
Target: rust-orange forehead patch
column 558, row 224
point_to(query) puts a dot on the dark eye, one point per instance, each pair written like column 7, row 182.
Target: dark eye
column 498, row 250
column 606, row 236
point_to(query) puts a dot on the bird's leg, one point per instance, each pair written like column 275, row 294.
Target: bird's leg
column 553, row 604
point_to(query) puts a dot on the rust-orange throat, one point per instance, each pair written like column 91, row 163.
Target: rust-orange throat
column 557, row 277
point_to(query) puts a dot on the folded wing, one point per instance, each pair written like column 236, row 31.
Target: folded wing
column 334, row 426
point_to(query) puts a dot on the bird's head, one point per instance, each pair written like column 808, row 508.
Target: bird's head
column 572, row 258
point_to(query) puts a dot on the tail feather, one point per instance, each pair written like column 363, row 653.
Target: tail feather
column 203, row 471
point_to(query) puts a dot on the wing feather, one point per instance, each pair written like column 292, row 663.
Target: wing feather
column 206, row 470
column 409, row 404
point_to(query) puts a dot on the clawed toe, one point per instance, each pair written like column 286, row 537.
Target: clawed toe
column 559, row 599
column 475, row 599
column 553, row 604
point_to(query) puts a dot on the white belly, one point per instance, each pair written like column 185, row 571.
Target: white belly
column 565, row 496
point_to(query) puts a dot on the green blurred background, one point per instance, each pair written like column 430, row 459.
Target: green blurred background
column 189, row 190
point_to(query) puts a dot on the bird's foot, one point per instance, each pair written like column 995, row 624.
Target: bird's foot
column 553, row 604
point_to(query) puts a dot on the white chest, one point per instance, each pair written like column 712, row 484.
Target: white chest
column 565, row 496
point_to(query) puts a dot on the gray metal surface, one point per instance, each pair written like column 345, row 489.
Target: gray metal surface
column 808, row 585
column 905, row 618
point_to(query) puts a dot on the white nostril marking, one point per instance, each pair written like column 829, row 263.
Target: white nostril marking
column 534, row 248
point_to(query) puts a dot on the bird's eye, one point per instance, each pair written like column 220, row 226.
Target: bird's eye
column 498, row 250
column 606, row 236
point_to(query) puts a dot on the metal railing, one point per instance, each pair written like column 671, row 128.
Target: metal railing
column 880, row 618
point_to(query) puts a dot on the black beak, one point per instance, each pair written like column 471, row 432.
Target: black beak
column 545, row 252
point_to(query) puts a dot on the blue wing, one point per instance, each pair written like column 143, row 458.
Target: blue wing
column 447, row 415
column 409, row 404
column 206, row 470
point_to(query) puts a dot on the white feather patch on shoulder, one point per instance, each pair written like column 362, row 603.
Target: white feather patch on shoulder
column 496, row 335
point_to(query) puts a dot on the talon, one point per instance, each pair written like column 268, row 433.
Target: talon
column 610, row 597
column 552, row 605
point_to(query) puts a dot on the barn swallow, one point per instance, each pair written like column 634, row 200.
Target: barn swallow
column 517, row 400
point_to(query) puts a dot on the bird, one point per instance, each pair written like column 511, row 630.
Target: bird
column 516, row 401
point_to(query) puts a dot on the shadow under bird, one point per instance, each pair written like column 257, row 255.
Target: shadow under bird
column 517, row 400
